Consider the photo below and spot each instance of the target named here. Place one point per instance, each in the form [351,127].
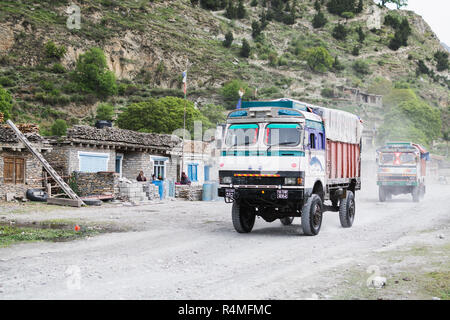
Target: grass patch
[10,235]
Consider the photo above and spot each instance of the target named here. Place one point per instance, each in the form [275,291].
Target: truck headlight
[290,181]
[226,180]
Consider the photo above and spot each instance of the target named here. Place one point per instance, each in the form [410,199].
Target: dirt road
[189,250]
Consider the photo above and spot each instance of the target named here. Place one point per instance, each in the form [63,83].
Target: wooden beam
[64,202]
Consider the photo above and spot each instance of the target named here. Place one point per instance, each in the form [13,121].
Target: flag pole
[184,123]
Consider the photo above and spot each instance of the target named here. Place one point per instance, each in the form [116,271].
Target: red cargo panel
[342,160]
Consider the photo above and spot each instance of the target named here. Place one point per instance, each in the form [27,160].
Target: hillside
[149,43]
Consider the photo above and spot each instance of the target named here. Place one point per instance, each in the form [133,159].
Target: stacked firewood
[28,127]
[2,117]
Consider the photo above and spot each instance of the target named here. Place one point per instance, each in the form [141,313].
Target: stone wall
[99,183]
[133,162]
[58,158]
[33,174]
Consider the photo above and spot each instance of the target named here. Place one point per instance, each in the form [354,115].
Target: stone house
[125,152]
[19,169]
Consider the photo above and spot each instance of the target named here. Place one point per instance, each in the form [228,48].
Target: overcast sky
[436,13]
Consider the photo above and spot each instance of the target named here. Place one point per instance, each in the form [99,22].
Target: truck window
[407,158]
[242,134]
[312,140]
[387,158]
[288,134]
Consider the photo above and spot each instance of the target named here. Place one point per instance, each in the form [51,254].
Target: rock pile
[29,130]
[189,192]
[115,135]
[152,191]
[132,191]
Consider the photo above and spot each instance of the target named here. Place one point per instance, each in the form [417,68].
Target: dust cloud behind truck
[285,158]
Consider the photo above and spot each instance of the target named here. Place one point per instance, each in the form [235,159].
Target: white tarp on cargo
[340,125]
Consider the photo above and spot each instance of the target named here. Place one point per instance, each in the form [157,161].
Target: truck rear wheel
[347,210]
[243,218]
[312,215]
[287,221]
[381,194]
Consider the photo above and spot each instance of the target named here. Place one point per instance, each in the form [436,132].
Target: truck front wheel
[381,194]
[312,215]
[243,218]
[347,210]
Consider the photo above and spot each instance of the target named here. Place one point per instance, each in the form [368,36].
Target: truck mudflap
[255,194]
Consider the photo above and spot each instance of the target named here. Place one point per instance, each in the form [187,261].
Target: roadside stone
[406,279]
[378,282]
[441,236]
[435,298]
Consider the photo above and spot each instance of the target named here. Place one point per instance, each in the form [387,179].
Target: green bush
[340,32]
[327,93]
[441,58]
[355,51]
[337,65]
[6,103]
[53,51]
[92,74]
[59,128]
[228,39]
[105,111]
[214,113]
[361,67]
[319,59]
[245,49]
[7,82]
[58,68]
[340,6]
[319,20]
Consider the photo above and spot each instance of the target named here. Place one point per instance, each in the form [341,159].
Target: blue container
[171,188]
[160,185]
[207,192]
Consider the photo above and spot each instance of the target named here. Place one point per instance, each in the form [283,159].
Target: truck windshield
[288,134]
[242,134]
[398,158]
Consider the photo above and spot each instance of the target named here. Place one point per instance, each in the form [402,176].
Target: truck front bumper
[262,193]
[397,183]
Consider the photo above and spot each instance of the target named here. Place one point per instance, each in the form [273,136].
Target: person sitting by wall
[141,176]
[185,179]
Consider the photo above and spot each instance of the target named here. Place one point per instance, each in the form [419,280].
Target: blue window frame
[192,171]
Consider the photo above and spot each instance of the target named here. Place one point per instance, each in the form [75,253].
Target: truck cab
[273,164]
[401,170]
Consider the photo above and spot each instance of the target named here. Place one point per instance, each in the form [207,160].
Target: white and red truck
[284,158]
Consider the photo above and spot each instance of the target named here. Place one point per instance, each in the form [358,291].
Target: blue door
[93,162]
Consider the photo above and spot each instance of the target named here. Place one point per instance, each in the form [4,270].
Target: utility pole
[184,123]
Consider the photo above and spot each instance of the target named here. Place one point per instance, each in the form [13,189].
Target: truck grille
[258,180]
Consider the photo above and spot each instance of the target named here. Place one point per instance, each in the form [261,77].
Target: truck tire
[287,221]
[416,194]
[347,210]
[243,218]
[381,194]
[388,195]
[312,215]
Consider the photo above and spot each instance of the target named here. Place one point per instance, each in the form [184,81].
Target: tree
[6,103]
[212,4]
[241,12]
[228,39]
[361,34]
[441,58]
[398,3]
[319,20]
[92,74]
[163,115]
[194,2]
[105,111]
[52,51]
[245,49]
[319,59]
[317,5]
[401,35]
[214,113]
[231,11]
[340,6]
[340,32]
[256,29]
[360,7]
[355,51]
[59,128]
[422,68]
[254,3]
